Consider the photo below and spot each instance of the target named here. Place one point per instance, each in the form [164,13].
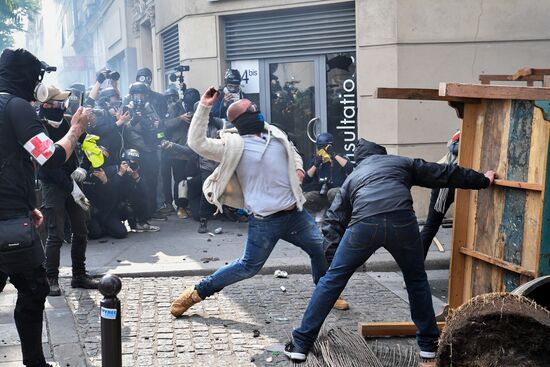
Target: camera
[324,186]
[134,165]
[113,75]
[182,68]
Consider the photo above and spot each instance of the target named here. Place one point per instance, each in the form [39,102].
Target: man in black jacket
[374,209]
[23,136]
[63,196]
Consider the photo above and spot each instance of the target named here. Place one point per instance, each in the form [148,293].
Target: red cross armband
[40,147]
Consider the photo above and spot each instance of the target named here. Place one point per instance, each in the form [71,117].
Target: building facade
[313,65]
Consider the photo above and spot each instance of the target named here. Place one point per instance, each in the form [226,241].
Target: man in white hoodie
[259,170]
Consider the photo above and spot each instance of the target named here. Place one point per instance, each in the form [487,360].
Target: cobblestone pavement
[219,330]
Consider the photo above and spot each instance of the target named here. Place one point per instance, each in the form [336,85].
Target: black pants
[176,168]
[58,206]
[434,219]
[200,207]
[32,289]
[149,173]
[134,207]
[111,225]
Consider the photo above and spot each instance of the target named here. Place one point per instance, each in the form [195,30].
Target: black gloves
[317,161]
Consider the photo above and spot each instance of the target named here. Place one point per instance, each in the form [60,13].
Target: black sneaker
[203,226]
[84,281]
[54,287]
[294,353]
[159,216]
[167,209]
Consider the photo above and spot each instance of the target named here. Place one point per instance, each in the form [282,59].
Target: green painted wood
[545,107]
[513,216]
[544,255]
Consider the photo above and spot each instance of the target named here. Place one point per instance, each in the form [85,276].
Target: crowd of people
[104,164]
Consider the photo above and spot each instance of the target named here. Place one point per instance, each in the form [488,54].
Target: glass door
[292,100]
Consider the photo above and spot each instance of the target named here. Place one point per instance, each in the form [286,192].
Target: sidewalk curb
[376,266]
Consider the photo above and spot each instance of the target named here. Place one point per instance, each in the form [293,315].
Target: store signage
[250,74]
[348,120]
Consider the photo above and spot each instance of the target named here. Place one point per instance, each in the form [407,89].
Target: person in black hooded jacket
[23,136]
[373,209]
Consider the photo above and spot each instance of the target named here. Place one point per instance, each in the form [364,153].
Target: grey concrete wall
[400,43]
[419,43]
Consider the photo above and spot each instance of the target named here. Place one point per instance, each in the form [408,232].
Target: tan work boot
[341,304]
[182,213]
[188,298]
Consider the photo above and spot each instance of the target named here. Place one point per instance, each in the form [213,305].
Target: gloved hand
[166,144]
[80,198]
[79,174]
[317,161]
[330,150]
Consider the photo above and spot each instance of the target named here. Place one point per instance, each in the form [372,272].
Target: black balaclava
[53,115]
[19,73]
[249,123]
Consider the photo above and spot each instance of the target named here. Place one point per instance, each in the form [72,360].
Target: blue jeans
[398,233]
[296,227]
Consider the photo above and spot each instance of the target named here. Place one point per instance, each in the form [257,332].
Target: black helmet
[107,93]
[190,97]
[139,88]
[324,139]
[232,76]
[171,92]
[144,75]
[131,155]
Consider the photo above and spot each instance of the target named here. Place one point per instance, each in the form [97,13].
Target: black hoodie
[382,183]
[19,72]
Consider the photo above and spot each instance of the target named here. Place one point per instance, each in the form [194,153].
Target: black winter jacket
[382,183]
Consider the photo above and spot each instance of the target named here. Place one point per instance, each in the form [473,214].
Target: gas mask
[144,79]
[234,91]
[40,92]
[114,106]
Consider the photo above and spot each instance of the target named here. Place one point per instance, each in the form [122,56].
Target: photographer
[132,207]
[201,209]
[61,196]
[231,93]
[144,134]
[176,128]
[22,137]
[325,174]
[157,100]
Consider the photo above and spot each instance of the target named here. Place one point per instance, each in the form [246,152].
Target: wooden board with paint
[501,235]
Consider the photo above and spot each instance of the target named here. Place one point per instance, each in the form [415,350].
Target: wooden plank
[395,328]
[497,262]
[490,204]
[488,78]
[471,232]
[513,220]
[493,91]
[544,253]
[439,245]
[519,185]
[534,202]
[462,204]
[524,72]
[418,94]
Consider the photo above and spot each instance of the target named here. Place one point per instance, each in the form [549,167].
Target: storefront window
[342,101]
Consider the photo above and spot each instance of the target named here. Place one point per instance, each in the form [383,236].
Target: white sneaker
[146,227]
[294,353]
[427,355]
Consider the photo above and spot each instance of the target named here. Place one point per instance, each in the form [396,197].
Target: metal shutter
[291,32]
[170,49]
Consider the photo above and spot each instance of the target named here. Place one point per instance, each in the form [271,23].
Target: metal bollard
[111,343]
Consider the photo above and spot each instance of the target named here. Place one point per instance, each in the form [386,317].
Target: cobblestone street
[219,330]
